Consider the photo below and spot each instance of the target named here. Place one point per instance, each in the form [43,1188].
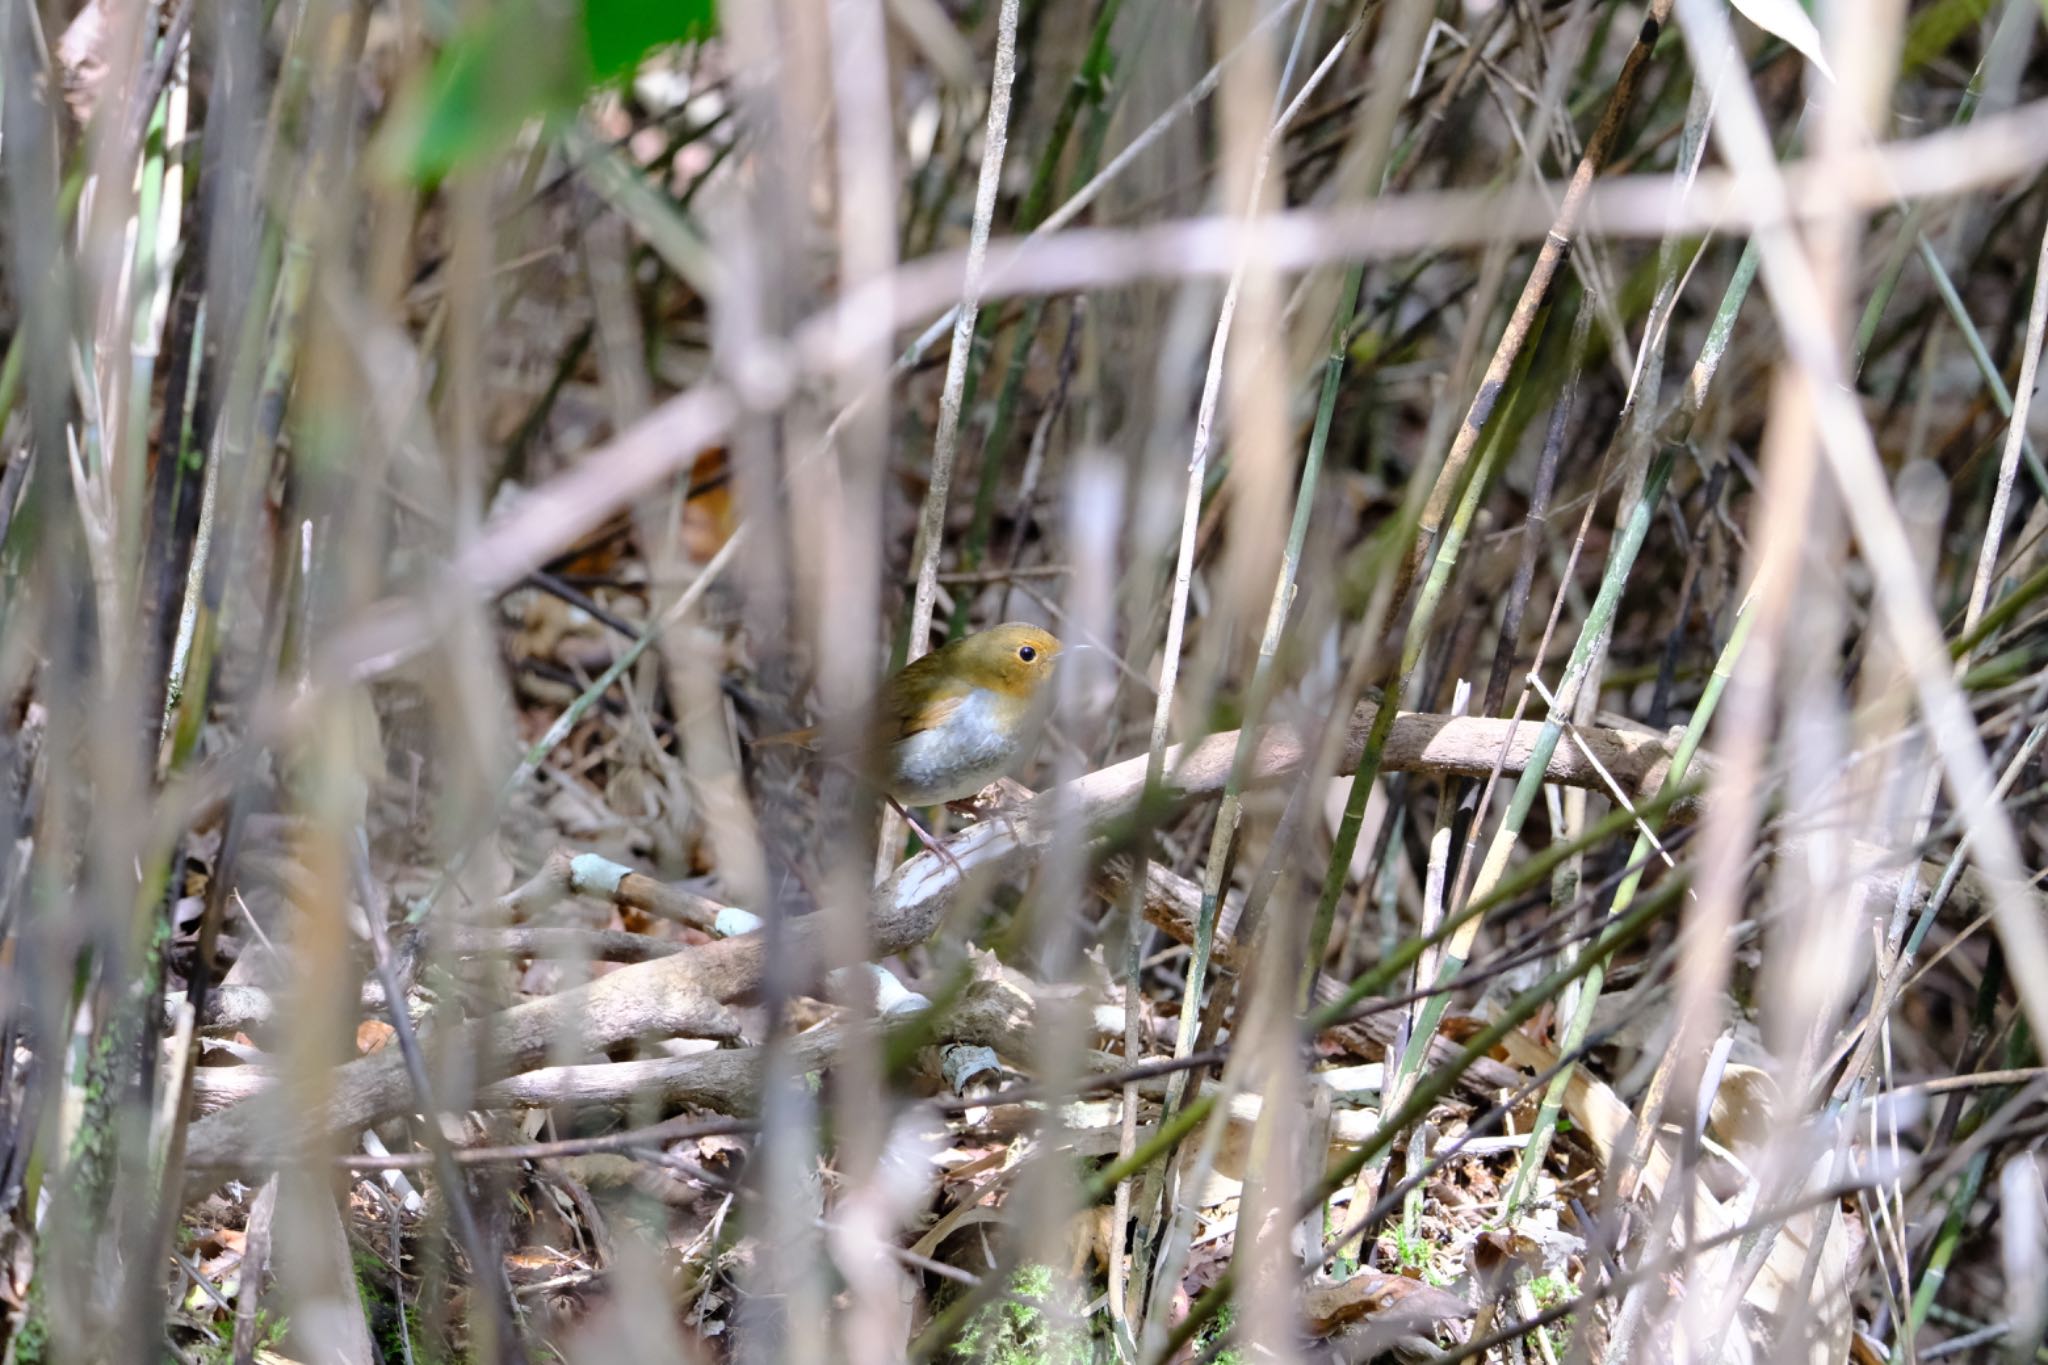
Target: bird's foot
[998,798]
[997,801]
[928,839]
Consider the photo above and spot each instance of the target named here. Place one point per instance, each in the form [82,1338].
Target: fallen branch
[686,994]
[561,942]
[564,876]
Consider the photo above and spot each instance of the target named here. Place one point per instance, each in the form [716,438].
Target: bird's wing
[909,705]
[930,715]
[920,697]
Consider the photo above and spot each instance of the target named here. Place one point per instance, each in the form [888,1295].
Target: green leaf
[517,61]
[521,60]
[618,33]
[1937,28]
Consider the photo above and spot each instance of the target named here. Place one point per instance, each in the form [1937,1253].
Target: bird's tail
[806,738]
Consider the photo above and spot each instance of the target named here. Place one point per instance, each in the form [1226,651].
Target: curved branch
[687,993]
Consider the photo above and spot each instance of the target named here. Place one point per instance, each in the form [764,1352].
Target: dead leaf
[373,1035]
[1745,1098]
[1382,1297]
[220,1251]
[1741,1112]
[710,514]
[1088,1240]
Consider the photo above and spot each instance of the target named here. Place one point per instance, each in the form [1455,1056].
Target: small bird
[961,717]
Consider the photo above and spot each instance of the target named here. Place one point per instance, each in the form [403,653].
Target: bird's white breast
[958,758]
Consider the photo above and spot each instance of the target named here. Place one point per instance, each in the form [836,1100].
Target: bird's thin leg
[928,839]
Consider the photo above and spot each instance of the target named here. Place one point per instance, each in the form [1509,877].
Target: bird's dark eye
[1027,653]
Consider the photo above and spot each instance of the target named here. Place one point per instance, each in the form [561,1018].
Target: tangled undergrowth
[1533,848]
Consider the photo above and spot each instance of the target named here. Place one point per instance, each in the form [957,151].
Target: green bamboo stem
[1962,1204]
[1283,592]
[1716,345]
[1621,932]
[2000,613]
[1423,615]
[1216,871]
[1910,237]
[1229,809]
[152,284]
[1902,247]
[1087,87]
[1980,355]
[1619,564]
[1520,879]
[1510,357]
[1887,285]
[1433,1087]
[1427,600]
[659,222]
[14,550]
[187,695]
[1581,1021]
